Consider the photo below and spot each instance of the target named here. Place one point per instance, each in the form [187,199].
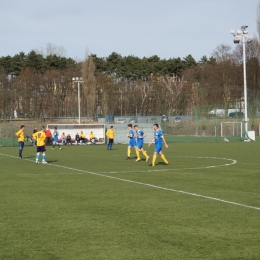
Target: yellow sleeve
[18,133]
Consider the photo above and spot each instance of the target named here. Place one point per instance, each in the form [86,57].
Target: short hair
[156,125]
[111,126]
[136,126]
[55,127]
[22,126]
[43,127]
[130,125]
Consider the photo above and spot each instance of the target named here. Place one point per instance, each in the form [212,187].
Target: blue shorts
[41,149]
[56,139]
[158,148]
[139,145]
[132,142]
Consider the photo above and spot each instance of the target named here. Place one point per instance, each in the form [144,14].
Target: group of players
[136,140]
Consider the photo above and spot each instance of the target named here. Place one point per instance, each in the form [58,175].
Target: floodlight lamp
[233,32]
[239,32]
[73,78]
[236,41]
[243,27]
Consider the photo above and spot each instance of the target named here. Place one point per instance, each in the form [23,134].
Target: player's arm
[166,145]
[151,142]
[34,136]
[18,133]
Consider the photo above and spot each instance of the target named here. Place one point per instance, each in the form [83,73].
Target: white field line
[147,185]
[180,169]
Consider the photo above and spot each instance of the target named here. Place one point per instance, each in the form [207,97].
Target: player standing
[111,135]
[132,142]
[55,138]
[20,135]
[158,139]
[140,135]
[40,137]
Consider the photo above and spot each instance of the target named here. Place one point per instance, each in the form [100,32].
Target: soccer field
[90,203]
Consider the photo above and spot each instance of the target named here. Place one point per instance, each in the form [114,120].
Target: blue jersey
[140,136]
[55,136]
[131,137]
[158,137]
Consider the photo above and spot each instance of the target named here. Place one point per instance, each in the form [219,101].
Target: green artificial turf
[90,203]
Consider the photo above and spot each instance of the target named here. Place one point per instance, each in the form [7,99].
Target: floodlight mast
[78,80]
[241,35]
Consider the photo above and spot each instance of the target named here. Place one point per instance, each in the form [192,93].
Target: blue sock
[43,157]
[37,157]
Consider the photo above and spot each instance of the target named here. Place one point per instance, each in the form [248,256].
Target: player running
[40,137]
[158,139]
[132,142]
[140,135]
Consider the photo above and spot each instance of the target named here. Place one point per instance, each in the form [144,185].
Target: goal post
[230,129]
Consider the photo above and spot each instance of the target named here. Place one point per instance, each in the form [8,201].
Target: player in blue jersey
[55,138]
[132,141]
[158,139]
[140,135]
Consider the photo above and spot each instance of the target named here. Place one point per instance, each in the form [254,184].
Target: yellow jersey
[20,135]
[110,133]
[91,136]
[82,136]
[40,137]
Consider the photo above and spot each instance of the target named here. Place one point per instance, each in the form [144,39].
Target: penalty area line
[148,185]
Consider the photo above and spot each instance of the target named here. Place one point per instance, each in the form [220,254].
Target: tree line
[39,85]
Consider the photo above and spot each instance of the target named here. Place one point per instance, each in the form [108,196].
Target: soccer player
[82,138]
[40,137]
[110,134]
[132,142]
[77,138]
[140,135]
[158,139]
[55,138]
[20,135]
[92,138]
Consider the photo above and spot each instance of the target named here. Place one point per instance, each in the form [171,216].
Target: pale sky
[167,28]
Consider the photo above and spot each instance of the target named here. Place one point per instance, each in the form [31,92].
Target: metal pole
[245,87]
[79,100]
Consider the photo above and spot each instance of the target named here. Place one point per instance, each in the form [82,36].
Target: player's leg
[145,155]
[37,155]
[163,158]
[137,154]
[128,152]
[21,145]
[44,157]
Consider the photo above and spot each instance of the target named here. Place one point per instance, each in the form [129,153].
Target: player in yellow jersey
[40,137]
[20,135]
[111,135]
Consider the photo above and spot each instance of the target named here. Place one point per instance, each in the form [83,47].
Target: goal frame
[241,127]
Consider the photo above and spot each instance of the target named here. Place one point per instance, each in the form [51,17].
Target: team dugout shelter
[99,130]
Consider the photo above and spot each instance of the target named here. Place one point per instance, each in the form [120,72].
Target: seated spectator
[77,140]
[82,137]
[92,138]
[68,139]
[63,139]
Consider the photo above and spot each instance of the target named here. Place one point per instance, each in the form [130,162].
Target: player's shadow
[48,161]
[161,163]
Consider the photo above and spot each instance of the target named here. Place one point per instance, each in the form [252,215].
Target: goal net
[229,129]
